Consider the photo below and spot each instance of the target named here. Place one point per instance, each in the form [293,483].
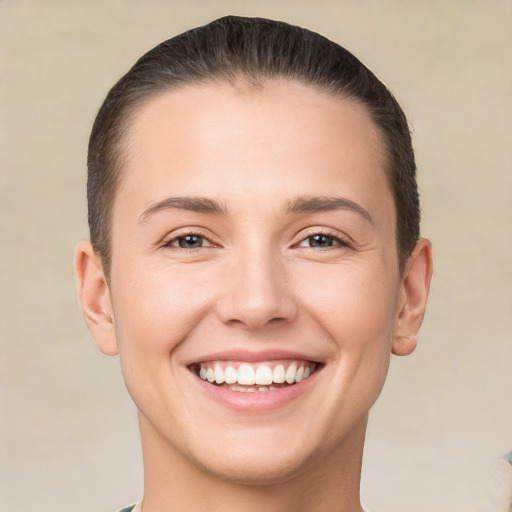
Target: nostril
[256,292]
[252,313]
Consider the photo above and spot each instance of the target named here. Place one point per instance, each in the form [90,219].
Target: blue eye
[190,241]
[321,241]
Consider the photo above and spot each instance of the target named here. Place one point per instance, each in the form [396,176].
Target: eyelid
[342,239]
[187,231]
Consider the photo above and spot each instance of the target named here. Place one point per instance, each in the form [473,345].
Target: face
[255,293]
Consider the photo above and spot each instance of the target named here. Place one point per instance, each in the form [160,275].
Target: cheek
[155,311]
[158,308]
[356,307]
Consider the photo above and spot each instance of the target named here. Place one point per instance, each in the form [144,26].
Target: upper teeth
[262,374]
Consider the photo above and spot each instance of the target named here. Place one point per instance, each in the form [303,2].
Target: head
[253,208]
[250,53]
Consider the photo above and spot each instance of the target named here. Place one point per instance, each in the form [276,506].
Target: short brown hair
[254,51]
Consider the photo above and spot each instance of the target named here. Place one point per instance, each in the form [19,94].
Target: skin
[257,283]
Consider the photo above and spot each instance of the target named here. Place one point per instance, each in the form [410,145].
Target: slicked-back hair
[254,52]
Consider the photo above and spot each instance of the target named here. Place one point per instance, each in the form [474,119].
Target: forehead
[243,141]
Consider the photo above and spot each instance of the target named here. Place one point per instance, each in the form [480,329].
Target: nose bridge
[257,293]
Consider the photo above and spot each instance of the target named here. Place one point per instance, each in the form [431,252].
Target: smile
[260,377]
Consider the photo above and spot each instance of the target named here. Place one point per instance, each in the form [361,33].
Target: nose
[257,293]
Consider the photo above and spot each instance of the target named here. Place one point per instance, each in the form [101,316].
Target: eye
[322,241]
[189,241]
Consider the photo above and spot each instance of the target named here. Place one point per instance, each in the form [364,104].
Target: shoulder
[133,508]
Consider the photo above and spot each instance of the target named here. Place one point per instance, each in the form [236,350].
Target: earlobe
[404,345]
[94,297]
[415,288]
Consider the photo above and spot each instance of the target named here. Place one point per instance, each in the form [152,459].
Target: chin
[246,470]
[261,457]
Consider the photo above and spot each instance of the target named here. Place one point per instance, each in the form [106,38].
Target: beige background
[68,431]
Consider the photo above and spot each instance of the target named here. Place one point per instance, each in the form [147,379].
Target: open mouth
[254,377]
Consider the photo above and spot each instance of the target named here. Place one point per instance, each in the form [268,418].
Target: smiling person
[254,261]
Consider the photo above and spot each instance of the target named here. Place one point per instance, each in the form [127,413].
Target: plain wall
[69,437]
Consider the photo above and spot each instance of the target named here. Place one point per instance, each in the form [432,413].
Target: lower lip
[257,401]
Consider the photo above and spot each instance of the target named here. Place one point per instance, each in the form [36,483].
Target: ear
[415,286]
[94,297]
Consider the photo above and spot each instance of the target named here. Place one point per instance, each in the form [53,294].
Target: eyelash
[338,240]
[181,236]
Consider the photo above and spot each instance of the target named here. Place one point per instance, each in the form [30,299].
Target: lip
[248,356]
[257,402]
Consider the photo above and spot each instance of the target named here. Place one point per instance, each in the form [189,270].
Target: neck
[328,482]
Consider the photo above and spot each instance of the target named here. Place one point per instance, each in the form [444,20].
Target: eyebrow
[297,206]
[319,204]
[193,204]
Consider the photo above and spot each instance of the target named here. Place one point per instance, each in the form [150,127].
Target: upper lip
[253,356]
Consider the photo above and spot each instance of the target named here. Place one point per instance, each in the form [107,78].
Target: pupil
[320,241]
[190,241]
